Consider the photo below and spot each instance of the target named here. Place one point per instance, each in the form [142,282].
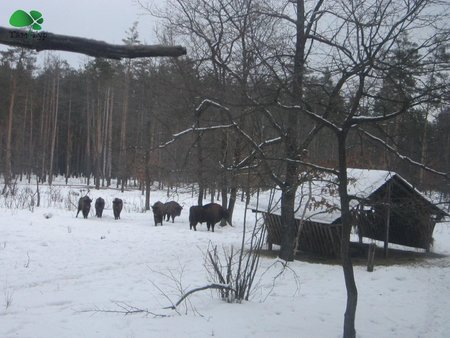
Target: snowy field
[62,276]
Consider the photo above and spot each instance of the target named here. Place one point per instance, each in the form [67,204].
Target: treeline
[115,119]
[99,121]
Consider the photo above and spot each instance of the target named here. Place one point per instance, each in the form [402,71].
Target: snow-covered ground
[60,275]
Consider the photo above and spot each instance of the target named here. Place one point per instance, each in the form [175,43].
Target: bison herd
[84,205]
[211,213]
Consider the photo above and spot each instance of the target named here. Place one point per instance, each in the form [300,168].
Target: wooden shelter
[385,207]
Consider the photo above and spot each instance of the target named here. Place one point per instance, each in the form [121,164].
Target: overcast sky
[106,20]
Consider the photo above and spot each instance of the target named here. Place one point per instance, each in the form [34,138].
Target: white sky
[106,20]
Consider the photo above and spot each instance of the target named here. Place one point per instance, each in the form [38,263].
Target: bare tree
[351,41]
[357,46]
[243,49]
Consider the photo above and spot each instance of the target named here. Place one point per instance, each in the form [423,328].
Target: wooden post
[388,221]
[371,256]
[359,218]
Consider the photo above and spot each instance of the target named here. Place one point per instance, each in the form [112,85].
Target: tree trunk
[200,194]
[231,203]
[123,129]
[289,189]
[224,193]
[109,140]
[147,194]
[352,292]
[38,193]
[44,130]
[8,157]
[69,139]
[30,144]
[24,154]
[54,109]
[288,223]
[100,118]
[212,193]
[424,150]
[201,184]
[87,157]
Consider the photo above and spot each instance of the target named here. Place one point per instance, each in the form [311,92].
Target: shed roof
[318,199]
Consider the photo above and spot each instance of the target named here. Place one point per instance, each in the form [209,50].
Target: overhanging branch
[192,130]
[317,118]
[49,41]
[203,106]
[403,157]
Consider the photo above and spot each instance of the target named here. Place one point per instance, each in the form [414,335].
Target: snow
[59,275]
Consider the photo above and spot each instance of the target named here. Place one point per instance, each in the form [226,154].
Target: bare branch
[244,162]
[314,116]
[211,286]
[127,309]
[314,166]
[403,157]
[191,130]
[49,41]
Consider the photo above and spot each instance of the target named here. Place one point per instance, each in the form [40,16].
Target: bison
[210,213]
[158,212]
[172,209]
[84,205]
[196,215]
[99,206]
[117,207]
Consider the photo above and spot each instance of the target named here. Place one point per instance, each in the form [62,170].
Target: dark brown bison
[172,209]
[210,213]
[99,206]
[117,207]
[84,205]
[196,215]
[158,212]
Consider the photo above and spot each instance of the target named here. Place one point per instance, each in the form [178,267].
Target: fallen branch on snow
[211,286]
[127,309]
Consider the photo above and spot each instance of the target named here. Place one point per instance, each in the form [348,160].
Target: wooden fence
[318,238]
